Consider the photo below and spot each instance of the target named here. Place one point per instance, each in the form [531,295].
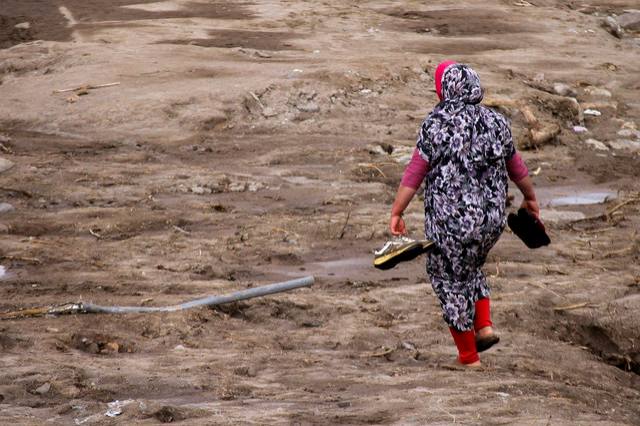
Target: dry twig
[575,306]
[86,87]
[344,227]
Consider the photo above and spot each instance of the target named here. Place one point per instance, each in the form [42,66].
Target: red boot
[482,322]
[466,344]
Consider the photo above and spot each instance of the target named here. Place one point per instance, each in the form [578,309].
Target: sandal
[484,343]
[400,249]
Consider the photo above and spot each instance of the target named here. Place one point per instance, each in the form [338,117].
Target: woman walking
[465,152]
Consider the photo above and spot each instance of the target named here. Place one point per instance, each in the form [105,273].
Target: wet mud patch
[46,21]
[130,10]
[456,22]
[435,45]
[260,40]
[43,18]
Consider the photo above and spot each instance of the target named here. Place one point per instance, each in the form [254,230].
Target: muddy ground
[254,142]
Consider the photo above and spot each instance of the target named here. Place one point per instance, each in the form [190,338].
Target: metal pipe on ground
[90,308]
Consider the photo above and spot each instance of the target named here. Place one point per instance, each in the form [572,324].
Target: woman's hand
[403,197]
[397,226]
[531,206]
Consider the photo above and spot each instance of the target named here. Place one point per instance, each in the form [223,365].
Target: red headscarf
[442,67]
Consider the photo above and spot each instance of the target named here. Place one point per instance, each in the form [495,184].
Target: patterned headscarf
[459,126]
[440,69]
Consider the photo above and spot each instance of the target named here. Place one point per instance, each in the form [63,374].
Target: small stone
[52,330]
[93,348]
[630,21]
[593,112]
[179,348]
[625,144]
[629,125]
[6,208]
[625,133]
[580,129]
[597,92]
[308,107]
[112,346]
[41,390]
[613,27]
[196,189]
[5,164]
[344,404]
[269,112]
[23,26]
[597,144]
[564,90]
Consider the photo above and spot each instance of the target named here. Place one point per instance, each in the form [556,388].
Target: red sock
[483,315]
[466,344]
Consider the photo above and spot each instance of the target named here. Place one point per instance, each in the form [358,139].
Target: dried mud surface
[254,142]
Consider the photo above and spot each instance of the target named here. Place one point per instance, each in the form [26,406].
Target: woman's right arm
[525,185]
[411,180]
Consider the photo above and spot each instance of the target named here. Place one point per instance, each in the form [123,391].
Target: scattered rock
[580,129]
[625,133]
[23,26]
[5,164]
[269,112]
[200,190]
[310,107]
[629,21]
[41,390]
[593,112]
[96,343]
[597,144]
[168,414]
[600,106]
[6,208]
[625,144]
[245,371]
[179,348]
[597,92]
[612,25]
[539,78]
[564,90]
[115,408]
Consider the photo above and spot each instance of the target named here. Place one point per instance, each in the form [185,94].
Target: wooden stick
[257,99]
[344,227]
[177,228]
[87,87]
[575,306]
[622,204]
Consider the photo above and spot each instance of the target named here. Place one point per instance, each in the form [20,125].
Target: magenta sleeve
[415,172]
[516,168]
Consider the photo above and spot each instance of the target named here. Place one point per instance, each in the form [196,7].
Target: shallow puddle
[583,198]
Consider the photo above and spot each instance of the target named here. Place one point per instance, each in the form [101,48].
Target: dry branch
[87,87]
